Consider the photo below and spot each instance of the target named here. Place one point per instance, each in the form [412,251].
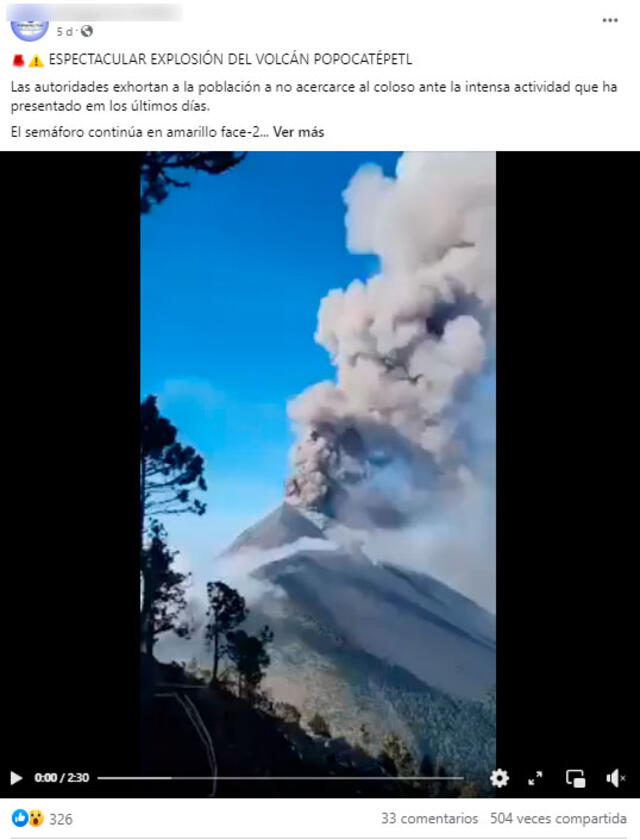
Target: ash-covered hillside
[373,644]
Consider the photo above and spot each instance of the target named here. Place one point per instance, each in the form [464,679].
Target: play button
[15,778]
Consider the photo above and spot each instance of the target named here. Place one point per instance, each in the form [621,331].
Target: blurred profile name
[84,12]
[268,59]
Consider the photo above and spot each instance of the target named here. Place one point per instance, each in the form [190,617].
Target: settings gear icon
[499,778]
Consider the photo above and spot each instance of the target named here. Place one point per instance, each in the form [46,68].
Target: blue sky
[233,271]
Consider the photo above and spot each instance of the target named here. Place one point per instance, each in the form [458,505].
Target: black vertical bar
[74,305]
[565,575]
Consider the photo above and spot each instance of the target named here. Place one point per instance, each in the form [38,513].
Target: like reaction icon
[19,817]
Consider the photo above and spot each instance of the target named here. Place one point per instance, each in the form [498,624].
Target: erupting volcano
[377,571]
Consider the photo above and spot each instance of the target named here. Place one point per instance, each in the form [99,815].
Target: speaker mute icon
[614,778]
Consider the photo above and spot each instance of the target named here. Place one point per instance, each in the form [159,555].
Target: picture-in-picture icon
[576,778]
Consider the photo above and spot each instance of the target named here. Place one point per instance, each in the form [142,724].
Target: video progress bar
[280,778]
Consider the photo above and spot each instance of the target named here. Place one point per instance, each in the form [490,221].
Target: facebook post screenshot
[319,356]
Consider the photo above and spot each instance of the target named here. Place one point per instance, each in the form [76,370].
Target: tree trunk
[216,655]
[147,639]
[143,493]
[145,609]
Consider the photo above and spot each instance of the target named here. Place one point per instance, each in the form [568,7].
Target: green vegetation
[249,656]
[227,608]
[396,757]
[158,171]
[169,475]
[164,599]
[319,726]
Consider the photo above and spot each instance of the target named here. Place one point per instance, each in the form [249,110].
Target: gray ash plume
[406,343]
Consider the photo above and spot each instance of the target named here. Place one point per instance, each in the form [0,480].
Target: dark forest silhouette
[159,171]
[253,734]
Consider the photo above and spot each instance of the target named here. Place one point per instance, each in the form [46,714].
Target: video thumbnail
[318,472]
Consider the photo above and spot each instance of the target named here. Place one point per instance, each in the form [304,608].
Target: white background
[484,40]
[478,40]
[306,819]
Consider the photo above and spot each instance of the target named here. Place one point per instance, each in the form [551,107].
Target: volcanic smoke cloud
[407,343]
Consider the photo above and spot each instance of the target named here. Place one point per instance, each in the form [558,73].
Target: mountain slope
[373,644]
[400,617]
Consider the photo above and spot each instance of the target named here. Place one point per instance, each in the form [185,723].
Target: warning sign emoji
[36,61]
